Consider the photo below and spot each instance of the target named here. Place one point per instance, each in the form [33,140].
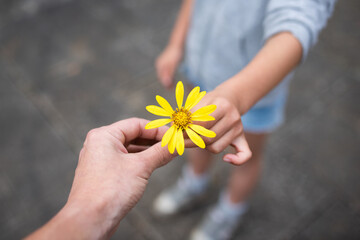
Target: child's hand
[227,126]
[167,63]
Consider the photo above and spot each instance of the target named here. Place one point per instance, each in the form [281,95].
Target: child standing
[243,52]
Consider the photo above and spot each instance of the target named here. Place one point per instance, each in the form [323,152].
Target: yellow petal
[192,97]
[172,143]
[203,118]
[180,145]
[203,131]
[167,136]
[158,111]
[157,123]
[179,93]
[197,100]
[195,138]
[204,110]
[164,104]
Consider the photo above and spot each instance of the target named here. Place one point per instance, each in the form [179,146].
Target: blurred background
[69,66]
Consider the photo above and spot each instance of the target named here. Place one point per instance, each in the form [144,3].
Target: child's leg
[190,185]
[221,221]
[244,177]
[199,160]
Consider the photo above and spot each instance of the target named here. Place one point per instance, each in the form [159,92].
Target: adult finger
[129,129]
[243,152]
[143,142]
[136,148]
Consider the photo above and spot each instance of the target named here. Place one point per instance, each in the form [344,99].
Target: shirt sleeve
[303,18]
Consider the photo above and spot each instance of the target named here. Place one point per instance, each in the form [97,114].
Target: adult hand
[167,63]
[227,126]
[114,166]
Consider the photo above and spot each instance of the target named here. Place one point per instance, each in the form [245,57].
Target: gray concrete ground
[69,66]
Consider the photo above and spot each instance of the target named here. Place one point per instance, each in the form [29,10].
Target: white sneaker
[216,225]
[181,195]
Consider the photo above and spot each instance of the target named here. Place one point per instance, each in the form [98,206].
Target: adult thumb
[156,156]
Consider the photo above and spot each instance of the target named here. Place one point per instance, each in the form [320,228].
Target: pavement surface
[69,66]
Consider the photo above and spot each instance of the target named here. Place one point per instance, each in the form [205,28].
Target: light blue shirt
[225,35]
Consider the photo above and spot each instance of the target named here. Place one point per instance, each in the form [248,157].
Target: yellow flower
[182,119]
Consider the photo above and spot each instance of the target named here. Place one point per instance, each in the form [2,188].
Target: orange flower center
[181,118]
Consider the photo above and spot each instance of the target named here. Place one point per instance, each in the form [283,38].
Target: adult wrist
[83,221]
[88,219]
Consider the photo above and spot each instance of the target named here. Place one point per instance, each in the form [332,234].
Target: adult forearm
[279,56]
[178,35]
[78,222]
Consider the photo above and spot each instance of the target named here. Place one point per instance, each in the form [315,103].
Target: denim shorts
[266,118]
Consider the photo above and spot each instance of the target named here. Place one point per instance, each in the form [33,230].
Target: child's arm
[275,60]
[291,28]
[168,61]
[237,95]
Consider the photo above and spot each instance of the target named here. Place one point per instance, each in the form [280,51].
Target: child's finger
[159,73]
[221,130]
[226,139]
[222,126]
[162,72]
[189,144]
[243,152]
[158,67]
[218,114]
[167,76]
